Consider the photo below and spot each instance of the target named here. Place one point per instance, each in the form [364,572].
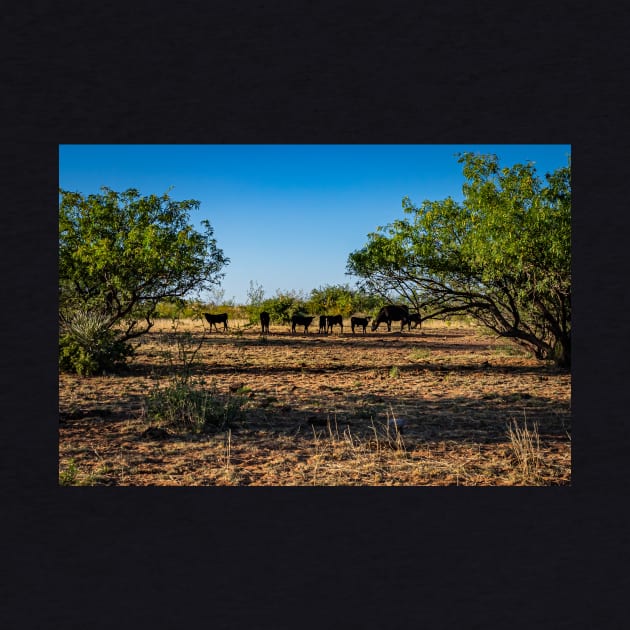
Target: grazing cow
[221,318]
[415,319]
[322,324]
[264,322]
[302,321]
[392,313]
[334,320]
[359,321]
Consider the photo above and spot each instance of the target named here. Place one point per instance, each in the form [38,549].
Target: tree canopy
[502,255]
[121,253]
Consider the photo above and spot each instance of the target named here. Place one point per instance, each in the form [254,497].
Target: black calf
[334,320]
[301,320]
[415,319]
[213,320]
[359,321]
[322,324]
[264,322]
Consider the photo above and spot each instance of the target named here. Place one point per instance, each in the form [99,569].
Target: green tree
[343,300]
[283,306]
[502,255]
[332,300]
[120,254]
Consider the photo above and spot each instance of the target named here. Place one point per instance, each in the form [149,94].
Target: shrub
[88,347]
[188,405]
[68,476]
[341,299]
[280,308]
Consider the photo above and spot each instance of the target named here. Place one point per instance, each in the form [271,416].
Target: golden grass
[318,411]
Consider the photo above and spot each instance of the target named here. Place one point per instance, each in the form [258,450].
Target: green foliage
[502,255]
[68,476]
[120,255]
[107,356]
[179,309]
[281,307]
[326,300]
[188,405]
[87,347]
[342,300]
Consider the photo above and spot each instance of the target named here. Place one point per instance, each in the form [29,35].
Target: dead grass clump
[525,446]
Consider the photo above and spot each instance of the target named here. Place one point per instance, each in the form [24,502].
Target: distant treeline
[326,300]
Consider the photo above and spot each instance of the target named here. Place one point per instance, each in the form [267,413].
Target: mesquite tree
[120,254]
[502,255]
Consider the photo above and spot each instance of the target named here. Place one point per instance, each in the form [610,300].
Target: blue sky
[287,216]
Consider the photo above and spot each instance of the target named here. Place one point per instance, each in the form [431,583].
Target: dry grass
[320,410]
[525,444]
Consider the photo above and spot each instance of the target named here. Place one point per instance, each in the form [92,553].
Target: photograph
[314,315]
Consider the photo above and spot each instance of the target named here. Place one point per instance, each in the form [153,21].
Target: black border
[275,72]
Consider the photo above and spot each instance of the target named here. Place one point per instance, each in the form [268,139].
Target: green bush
[187,405]
[88,345]
[68,476]
[342,300]
[280,308]
[105,354]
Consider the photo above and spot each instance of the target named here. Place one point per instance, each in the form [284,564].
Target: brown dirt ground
[316,409]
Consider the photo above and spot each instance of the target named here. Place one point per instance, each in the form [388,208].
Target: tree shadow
[147,369]
[459,419]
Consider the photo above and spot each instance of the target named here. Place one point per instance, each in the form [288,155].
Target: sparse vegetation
[186,404]
[218,409]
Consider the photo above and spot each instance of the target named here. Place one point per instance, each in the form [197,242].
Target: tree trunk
[562,352]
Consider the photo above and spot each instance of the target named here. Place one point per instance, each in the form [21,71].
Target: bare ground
[315,411]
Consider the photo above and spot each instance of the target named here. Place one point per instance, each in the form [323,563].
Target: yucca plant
[87,344]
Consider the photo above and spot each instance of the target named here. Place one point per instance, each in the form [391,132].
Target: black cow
[221,318]
[359,321]
[322,324]
[264,322]
[301,320]
[415,319]
[392,313]
[334,320]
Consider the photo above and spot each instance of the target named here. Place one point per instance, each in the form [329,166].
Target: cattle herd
[387,315]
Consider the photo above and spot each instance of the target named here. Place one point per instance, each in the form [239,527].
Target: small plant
[87,345]
[420,354]
[68,476]
[187,349]
[525,445]
[393,431]
[188,405]
[394,372]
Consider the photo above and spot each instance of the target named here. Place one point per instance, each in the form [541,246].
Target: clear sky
[287,216]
